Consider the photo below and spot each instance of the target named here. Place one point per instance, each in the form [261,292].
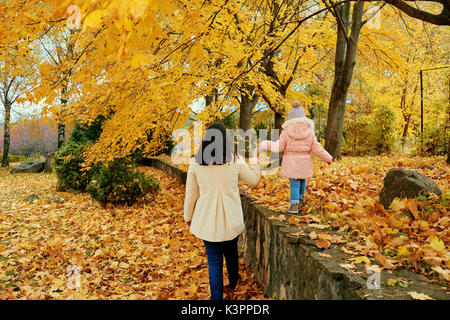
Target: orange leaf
[411,204]
[384,262]
[323,243]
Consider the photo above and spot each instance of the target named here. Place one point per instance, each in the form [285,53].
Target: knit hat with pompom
[296,111]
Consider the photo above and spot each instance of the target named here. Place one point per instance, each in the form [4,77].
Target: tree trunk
[246,105]
[61,134]
[335,122]
[405,128]
[279,120]
[6,135]
[448,151]
[61,125]
[343,73]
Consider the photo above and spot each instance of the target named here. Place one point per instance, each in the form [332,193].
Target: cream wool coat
[212,202]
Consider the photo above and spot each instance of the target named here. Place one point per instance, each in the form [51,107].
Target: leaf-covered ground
[342,203]
[139,252]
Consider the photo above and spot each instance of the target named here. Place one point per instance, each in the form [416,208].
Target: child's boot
[293,208]
[301,206]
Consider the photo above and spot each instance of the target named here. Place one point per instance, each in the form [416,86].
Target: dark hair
[216,147]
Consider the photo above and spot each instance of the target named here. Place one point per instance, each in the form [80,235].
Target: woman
[212,206]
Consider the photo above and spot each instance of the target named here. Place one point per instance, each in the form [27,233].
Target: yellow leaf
[361,259]
[348,251]
[438,245]
[403,251]
[398,204]
[139,60]
[93,19]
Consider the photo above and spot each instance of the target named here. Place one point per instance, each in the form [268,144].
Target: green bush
[435,141]
[383,136]
[371,135]
[120,181]
[355,138]
[83,133]
[16,158]
[67,166]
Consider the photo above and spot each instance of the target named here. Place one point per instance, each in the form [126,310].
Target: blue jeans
[298,188]
[215,252]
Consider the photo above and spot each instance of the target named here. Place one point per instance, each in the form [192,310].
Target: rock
[31,198]
[29,167]
[402,183]
[48,163]
[56,200]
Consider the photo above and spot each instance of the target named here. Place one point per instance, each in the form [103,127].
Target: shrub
[373,134]
[435,141]
[84,133]
[383,136]
[16,158]
[120,181]
[67,166]
[355,138]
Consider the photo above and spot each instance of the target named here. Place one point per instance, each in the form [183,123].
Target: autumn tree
[17,77]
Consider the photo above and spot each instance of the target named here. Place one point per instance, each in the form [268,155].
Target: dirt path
[66,246]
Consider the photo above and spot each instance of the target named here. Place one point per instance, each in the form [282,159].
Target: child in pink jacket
[298,142]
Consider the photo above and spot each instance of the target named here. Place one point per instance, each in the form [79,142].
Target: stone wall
[291,266]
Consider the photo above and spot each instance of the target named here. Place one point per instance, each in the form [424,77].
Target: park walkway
[67,246]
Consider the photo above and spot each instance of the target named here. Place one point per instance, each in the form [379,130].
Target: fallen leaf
[419,296]
[318,225]
[383,260]
[323,243]
[438,245]
[412,204]
[398,204]
[444,273]
[361,259]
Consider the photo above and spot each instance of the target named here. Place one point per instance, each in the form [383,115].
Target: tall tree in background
[344,63]
[57,69]
[17,77]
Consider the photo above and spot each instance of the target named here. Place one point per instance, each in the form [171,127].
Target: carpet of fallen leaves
[343,198]
[140,252]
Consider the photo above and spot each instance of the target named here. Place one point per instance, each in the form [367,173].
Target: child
[298,142]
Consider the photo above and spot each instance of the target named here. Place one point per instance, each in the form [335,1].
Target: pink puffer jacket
[298,142]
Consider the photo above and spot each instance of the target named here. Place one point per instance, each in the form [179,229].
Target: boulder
[31,198]
[56,200]
[402,183]
[29,167]
[48,163]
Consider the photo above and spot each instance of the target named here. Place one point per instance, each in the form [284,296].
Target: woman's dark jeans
[215,252]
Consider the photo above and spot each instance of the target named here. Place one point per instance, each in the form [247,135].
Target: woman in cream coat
[212,206]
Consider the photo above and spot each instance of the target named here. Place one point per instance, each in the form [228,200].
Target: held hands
[188,224]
